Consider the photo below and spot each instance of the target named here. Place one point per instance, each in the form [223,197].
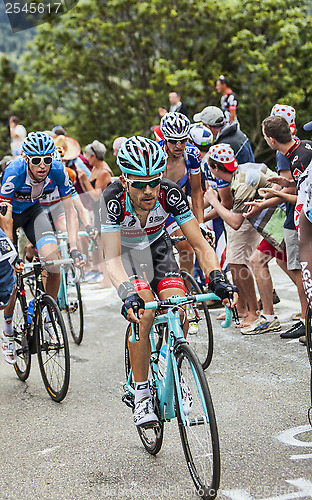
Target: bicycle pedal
[128,400]
[150,425]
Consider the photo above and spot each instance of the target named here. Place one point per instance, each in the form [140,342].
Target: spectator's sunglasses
[36,160]
[175,141]
[142,184]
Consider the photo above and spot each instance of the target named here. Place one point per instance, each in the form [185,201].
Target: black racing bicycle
[44,335]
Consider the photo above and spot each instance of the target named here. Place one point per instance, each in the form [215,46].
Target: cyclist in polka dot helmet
[222,156]
[287,112]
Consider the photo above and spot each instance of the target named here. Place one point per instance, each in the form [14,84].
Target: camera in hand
[3,209]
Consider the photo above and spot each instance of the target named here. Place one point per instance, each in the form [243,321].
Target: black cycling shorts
[155,265]
[36,226]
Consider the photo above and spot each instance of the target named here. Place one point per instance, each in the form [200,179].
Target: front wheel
[52,348]
[151,438]
[200,334]
[197,423]
[23,356]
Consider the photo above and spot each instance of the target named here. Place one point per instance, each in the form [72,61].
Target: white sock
[269,317]
[8,326]
[141,390]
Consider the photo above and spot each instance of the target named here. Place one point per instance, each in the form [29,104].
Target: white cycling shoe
[144,412]
[8,349]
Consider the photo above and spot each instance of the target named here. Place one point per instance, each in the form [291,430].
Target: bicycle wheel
[23,361]
[151,438]
[74,307]
[199,434]
[53,350]
[200,336]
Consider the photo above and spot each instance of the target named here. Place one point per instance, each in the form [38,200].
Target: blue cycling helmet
[175,126]
[38,143]
[141,156]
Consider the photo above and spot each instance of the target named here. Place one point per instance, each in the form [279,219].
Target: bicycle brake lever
[135,326]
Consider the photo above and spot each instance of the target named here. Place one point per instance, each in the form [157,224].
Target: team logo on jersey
[296,173]
[132,222]
[174,196]
[113,207]
[8,186]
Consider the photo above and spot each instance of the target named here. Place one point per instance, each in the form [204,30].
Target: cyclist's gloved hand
[18,265]
[79,258]
[207,234]
[220,287]
[92,231]
[133,302]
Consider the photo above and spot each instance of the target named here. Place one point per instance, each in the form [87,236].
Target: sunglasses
[36,160]
[175,141]
[142,184]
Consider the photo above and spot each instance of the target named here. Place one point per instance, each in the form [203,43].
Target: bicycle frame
[165,387]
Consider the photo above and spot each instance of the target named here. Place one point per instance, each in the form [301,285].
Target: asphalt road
[87,446]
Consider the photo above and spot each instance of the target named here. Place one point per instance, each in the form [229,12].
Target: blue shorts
[7,282]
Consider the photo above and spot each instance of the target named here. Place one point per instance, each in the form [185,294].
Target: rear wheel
[23,361]
[200,335]
[74,307]
[151,438]
[52,349]
[197,424]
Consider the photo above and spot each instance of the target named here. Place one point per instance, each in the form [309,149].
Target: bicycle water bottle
[162,362]
[30,310]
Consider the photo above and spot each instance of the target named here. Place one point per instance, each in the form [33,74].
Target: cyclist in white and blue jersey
[24,182]
[138,251]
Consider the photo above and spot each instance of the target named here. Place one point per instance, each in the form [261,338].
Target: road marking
[48,450]
[288,436]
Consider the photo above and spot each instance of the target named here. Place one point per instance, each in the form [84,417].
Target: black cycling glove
[131,302]
[75,254]
[92,229]
[219,286]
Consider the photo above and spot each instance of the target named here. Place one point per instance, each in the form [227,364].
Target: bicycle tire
[23,356]
[151,438]
[199,435]
[53,356]
[74,308]
[202,341]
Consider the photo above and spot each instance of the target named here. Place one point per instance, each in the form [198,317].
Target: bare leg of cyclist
[49,252]
[140,351]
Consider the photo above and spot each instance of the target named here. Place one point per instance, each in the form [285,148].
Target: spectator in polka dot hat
[287,112]
[245,252]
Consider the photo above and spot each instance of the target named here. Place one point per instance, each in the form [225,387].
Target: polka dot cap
[225,155]
[287,112]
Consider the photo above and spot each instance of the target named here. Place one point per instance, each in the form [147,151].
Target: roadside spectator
[246,238]
[117,144]
[229,102]
[58,130]
[99,179]
[176,105]
[18,134]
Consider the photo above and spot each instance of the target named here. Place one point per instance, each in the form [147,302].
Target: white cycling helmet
[175,126]
[287,112]
[201,136]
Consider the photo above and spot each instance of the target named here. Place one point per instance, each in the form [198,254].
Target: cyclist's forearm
[72,226]
[116,271]
[198,206]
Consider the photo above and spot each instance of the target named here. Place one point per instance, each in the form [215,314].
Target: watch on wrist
[124,289]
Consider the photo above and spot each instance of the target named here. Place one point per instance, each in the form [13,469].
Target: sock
[8,325]
[141,390]
[47,318]
[269,317]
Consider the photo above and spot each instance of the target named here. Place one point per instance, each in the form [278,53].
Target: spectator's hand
[268,193]
[211,195]
[281,181]
[255,208]
[162,112]
[81,174]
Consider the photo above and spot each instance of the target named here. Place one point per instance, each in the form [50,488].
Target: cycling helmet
[200,135]
[287,112]
[141,156]
[38,143]
[224,154]
[175,126]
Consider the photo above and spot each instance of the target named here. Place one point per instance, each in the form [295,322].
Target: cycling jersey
[117,214]
[192,165]
[306,201]
[17,186]
[229,103]
[7,280]
[299,155]
[213,182]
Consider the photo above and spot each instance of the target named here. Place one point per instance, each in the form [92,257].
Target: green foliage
[103,69]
